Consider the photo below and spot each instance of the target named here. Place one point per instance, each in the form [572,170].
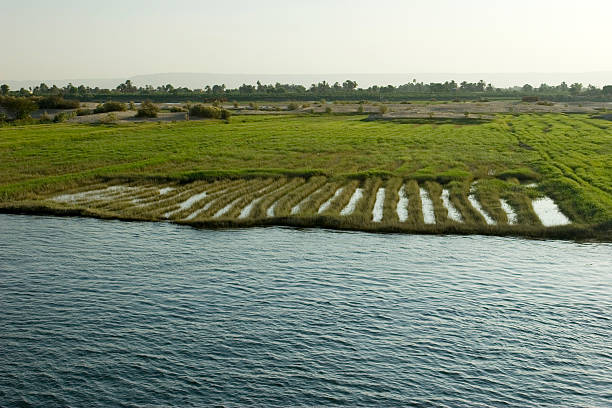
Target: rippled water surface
[105,313]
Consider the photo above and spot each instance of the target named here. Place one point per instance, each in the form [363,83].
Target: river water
[108,313]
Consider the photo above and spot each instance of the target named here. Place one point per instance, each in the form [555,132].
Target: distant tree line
[348,90]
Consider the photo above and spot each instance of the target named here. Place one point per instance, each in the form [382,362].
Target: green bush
[360,108]
[147,109]
[83,112]
[63,116]
[109,118]
[18,107]
[292,106]
[45,118]
[57,102]
[175,109]
[225,114]
[212,112]
[328,109]
[383,109]
[110,106]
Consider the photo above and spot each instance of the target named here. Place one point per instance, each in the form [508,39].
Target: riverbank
[526,175]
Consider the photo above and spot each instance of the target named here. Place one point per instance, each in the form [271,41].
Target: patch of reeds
[214,190]
[252,195]
[290,200]
[260,210]
[392,187]
[435,195]
[340,201]
[315,200]
[415,207]
[458,193]
[488,194]
[235,197]
[363,209]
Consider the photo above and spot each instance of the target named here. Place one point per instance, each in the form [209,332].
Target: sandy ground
[441,110]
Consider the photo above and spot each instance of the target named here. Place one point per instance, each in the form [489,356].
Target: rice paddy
[530,175]
[256,199]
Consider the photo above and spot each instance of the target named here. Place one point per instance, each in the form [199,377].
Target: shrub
[83,112]
[109,118]
[235,105]
[18,107]
[530,98]
[383,109]
[131,106]
[177,109]
[57,102]
[360,108]
[225,114]
[253,106]
[292,106]
[328,109]
[212,112]
[147,109]
[306,105]
[110,106]
[63,116]
[45,118]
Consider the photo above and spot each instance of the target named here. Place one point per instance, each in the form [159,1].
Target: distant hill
[200,80]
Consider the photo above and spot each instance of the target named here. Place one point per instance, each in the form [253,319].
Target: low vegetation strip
[567,156]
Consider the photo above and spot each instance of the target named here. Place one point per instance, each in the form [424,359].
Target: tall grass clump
[212,112]
[110,106]
[147,109]
[57,102]
[392,187]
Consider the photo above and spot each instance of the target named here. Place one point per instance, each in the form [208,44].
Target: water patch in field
[326,204]
[246,211]
[472,199]
[95,195]
[548,212]
[510,213]
[453,213]
[225,209]
[270,210]
[377,211]
[429,216]
[187,203]
[402,205]
[165,190]
[201,210]
[350,207]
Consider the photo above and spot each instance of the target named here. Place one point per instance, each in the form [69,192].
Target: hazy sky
[121,38]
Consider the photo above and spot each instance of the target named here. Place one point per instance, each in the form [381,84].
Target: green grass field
[569,156]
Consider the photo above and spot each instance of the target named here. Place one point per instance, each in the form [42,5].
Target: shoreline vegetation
[302,170]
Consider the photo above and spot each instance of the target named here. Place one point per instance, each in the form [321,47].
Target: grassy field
[569,156]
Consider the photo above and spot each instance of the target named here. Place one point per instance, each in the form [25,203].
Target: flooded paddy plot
[351,201]
[327,203]
[427,206]
[350,207]
[510,213]
[377,211]
[453,213]
[478,207]
[548,212]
